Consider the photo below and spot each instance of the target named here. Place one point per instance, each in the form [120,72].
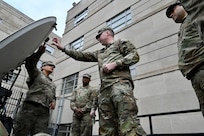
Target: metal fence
[12,104]
[65,129]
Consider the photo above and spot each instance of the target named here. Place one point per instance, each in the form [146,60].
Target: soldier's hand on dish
[108,68]
[56,42]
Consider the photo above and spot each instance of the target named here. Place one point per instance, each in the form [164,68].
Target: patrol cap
[87,76]
[48,63]
[102,30]
[171,7]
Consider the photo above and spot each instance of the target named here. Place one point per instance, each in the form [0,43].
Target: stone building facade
[159,86]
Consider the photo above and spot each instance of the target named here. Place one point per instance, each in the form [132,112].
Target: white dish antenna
[19,45]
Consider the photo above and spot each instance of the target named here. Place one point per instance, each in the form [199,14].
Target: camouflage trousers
[31,119]
[82,126]
[198,84]
[118,111]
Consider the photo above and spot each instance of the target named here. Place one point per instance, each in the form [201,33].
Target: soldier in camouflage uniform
[190,46]
[34,114]
[195,10]
[116,103]
[81,104]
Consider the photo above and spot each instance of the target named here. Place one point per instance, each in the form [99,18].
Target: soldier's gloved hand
[56,42]
[41,49]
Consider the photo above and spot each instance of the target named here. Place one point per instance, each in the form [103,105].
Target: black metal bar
[162,114]
[169,113]
[150,125]
[19,70]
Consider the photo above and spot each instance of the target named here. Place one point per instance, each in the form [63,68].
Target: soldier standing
[117,105]
[190,46]
[195,10]
[81,104]
[33,116]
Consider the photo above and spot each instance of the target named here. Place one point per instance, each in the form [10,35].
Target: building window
[81,16]
[121,20]
[77,44]
[49,49]
[64,130]
[69,84]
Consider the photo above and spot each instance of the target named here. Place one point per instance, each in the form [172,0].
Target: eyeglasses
[50,65]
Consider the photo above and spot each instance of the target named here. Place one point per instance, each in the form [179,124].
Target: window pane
[64,130]
[49,49]
[119,17]
[81,16]
[77,44]
[120,21]
[69,83]
[10,78]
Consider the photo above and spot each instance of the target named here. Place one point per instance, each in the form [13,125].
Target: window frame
[69,83]
[49,49]
[80,17]
[121,20]
[77,44]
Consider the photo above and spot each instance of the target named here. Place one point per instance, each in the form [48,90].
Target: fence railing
[150,116]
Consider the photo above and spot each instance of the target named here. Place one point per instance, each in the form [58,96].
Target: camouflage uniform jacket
[190,47]
[122,52]
[83,97]
[195,8]
[41,88]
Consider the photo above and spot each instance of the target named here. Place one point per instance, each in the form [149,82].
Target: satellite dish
[19,45]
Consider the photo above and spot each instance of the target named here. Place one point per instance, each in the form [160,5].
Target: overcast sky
[38,9]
